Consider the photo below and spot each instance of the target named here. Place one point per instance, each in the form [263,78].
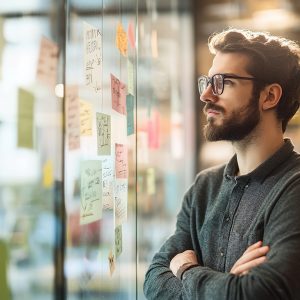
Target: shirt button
[227,219]
[222,254]
[246,186]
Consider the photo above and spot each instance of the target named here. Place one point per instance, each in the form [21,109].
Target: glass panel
[165,122]
[100,75]
[31,62]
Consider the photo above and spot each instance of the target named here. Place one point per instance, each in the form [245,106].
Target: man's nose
[208,95]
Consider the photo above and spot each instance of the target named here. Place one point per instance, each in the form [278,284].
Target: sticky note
[131,36]
[118,240]
[118,95]
[85,118]
[130,114]
[120,201]
[25,119]
[47,62]
[107,183]
[121,161]
[92,40]
[91,191]
[103,123]
[151,181]
[48,174]
[111,262]
[121,39]
[73,117]
[130,77]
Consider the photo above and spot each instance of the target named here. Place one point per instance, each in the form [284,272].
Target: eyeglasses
[217,82]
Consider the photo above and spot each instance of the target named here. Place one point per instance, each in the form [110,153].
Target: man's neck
[255,149]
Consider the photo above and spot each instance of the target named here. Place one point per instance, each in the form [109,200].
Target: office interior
[101,134]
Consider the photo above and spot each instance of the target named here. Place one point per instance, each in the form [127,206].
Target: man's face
[234,114]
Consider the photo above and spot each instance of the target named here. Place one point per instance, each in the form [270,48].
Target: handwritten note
[120,201]
[130,77]
[47,63]
[131,37]
[111,262]
[118,95]
[25,119]
[107,183]
[130,114]
[73,117]
[121,39]
[103,122]
[48,174]
[92,40]
[118,240]
[85,118]
[121,161]
[91,191]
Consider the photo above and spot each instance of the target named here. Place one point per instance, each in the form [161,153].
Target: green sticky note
[118,240]
[103,134]
[130,114]
[91,191]
[25,119]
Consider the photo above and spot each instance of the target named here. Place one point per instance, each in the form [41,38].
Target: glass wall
[31,152]
[96,131]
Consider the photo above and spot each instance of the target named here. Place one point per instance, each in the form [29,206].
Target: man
[238,232]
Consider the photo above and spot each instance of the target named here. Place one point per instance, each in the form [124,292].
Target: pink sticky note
[118,95]
[130,33]
[121,161]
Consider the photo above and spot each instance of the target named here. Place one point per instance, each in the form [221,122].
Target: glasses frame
[210,80]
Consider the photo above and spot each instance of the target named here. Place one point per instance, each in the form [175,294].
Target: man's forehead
[229,63]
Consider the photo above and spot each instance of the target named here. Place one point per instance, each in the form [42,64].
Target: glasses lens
[218,84]
[202,84]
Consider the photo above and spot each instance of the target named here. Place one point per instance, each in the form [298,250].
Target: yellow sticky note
[121,39]
[85,118]
[25,119]
[48,174]
[151,181]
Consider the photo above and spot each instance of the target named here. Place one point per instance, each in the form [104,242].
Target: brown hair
[273,60]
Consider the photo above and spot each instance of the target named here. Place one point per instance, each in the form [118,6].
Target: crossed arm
[252,257]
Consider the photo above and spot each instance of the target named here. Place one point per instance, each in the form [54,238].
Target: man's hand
[188,256]
[252,257]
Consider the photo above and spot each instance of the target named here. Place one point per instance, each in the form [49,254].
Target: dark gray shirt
[221,215]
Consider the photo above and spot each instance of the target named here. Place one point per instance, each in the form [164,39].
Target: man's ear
[271,96]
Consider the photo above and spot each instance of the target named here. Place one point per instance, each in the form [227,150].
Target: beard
[235,128]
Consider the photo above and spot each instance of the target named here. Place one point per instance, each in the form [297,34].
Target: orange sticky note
[121,39]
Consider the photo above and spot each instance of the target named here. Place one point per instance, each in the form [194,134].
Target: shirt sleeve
[277,278]
[160,282]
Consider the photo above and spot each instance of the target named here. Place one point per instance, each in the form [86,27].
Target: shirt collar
[266,167]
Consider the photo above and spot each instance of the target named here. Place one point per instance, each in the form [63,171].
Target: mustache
[213,106]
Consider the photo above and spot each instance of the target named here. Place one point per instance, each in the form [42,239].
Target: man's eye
[228,82]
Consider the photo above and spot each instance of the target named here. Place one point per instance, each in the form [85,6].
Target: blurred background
[50,103]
